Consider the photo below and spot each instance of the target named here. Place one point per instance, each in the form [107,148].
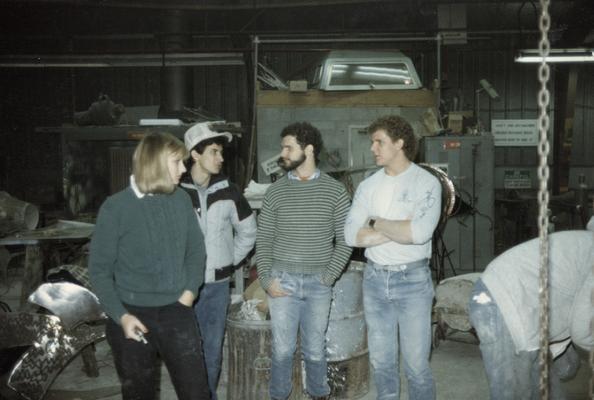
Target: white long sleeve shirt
[513,280]
[414,195]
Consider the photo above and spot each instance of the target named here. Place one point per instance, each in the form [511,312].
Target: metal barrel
[16,215]
[249,359]
[346,338]
[249,348]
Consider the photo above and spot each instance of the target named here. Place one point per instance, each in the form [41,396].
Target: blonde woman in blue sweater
[146,265]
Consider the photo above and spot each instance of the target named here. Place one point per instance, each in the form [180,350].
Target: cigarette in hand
[141,337]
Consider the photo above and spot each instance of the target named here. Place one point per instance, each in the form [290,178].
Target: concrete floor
[457,368]
[456,364]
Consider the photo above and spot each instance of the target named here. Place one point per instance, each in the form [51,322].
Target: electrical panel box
[469,233]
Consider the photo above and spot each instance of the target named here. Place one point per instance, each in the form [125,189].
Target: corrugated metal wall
[223,91]
[582,144]
[46,97]
[30,163]
[517,86]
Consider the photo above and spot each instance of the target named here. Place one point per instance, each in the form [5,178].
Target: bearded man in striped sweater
[300,252]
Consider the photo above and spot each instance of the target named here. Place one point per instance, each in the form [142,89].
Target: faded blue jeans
[305,309]
[211,313]
[398,315]
[512,375]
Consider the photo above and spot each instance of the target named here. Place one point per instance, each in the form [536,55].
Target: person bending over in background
[504,310]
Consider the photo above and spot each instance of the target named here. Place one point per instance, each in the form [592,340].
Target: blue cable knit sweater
[145,251]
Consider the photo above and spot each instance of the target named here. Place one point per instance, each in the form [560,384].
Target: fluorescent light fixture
[556,56]
[160,122]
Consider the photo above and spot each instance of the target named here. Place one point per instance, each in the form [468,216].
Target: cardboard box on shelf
[457,120]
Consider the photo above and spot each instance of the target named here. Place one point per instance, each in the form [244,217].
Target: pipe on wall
[176,82]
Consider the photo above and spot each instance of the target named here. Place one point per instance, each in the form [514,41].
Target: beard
[290,165]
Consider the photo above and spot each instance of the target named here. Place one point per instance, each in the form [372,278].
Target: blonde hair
[149,162]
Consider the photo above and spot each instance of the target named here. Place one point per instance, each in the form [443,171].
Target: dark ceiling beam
[202,6]
[248,4]
[121,60]
[60,29]
[479,2]
[302,34]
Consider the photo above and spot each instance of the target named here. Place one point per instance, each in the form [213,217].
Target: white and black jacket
[229,225]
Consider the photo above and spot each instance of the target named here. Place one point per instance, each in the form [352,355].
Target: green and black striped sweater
[301,229]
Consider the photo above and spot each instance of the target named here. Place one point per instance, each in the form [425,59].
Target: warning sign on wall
[514,132]
[517,179]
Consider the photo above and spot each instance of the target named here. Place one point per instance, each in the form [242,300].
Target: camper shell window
[368,71]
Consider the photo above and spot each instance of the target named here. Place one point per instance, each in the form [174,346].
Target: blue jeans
[211,313]
[305,309]
[511,374]
[398,315]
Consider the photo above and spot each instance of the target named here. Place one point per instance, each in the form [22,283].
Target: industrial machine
[350,89]
[467,239]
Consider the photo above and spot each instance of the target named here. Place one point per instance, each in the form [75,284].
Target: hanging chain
[592,333]
[543,197]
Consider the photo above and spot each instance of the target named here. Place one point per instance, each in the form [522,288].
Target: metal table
[69,232]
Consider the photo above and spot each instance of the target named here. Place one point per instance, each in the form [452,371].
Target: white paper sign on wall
[271,166]
[515,132]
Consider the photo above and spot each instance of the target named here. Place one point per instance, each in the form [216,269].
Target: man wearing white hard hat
[229,228]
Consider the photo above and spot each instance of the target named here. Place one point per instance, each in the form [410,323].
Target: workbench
[72,234]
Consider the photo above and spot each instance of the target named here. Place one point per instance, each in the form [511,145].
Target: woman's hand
[132,326]
[187,298]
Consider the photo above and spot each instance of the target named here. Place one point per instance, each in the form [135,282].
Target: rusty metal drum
[249,359]
[249,348]
[346,338]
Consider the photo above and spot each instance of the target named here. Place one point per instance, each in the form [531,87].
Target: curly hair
[397,128]
[305,134]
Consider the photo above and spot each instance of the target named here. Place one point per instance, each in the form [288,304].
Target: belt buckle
[223,273]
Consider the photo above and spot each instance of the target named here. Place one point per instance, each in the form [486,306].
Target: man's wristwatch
[372,223]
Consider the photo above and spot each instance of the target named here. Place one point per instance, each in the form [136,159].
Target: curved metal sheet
[72,303]
[51,350]
[53,340]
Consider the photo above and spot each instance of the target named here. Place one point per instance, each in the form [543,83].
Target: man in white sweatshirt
[394,214]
